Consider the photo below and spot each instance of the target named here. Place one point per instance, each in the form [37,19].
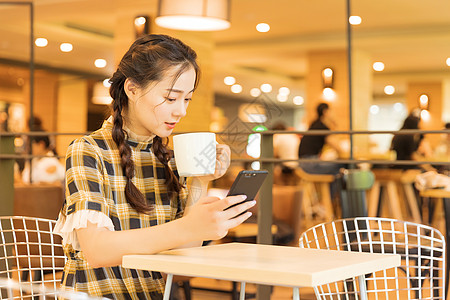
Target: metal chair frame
[31,254]
[422,248]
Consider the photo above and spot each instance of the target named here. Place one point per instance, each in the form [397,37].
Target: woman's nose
[180,109]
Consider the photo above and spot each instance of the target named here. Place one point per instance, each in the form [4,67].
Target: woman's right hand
[208,220]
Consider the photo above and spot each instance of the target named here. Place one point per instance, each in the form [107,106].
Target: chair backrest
[420,276]
[30,252]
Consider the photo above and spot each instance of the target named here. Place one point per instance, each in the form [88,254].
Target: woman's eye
[171,99]
[187,99]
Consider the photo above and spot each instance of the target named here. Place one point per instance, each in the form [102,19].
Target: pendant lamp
[194,15]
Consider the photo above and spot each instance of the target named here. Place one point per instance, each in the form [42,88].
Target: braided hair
[147,60]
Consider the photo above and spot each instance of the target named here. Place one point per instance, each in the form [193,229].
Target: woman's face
[157,109]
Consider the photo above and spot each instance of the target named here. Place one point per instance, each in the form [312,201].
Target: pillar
[337,60]
[72,110]
[434,90]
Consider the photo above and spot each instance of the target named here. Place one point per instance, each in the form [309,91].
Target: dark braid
[145,62]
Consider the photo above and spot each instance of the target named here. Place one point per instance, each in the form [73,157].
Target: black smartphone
[247,183]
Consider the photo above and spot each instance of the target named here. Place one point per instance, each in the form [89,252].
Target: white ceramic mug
[195,153]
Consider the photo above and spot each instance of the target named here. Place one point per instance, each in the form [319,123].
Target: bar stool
[396,185]
[312,185]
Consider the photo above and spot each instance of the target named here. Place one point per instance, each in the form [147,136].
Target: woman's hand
[223,157]
[208,219]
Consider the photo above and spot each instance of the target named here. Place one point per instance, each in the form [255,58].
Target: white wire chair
[31,254]
[421,274]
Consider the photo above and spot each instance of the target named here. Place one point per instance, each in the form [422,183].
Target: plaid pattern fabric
[94,181]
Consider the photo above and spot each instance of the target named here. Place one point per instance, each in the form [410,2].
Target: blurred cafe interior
[265,71]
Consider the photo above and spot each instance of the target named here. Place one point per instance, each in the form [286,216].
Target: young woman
[123,193]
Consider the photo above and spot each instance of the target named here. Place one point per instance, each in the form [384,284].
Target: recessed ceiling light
[229,80]
[282,98]
[66,47]
[266,87]
[100,63]
[41,42]
[284,91]
[255,92]
[355,20]
[236,88]
[378,66]
[263,27]
[425,115]
[389,90]
[327,72]
[139,21]
[298,100]
[329,94]
[448,61]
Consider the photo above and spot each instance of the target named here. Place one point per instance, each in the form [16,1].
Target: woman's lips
[171,125]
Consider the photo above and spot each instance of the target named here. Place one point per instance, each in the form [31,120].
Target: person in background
[311,146]
[443,150]
[123,192]
[406,145]
[45,168]
[285,146]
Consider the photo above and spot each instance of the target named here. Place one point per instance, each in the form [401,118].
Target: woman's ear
[130,88]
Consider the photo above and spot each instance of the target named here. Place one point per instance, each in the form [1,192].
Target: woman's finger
[240,208]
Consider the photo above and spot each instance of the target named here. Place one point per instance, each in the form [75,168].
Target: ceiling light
[139,21]
[298,100]
[229,80]
[327,72]
[66,47]
[255,92]
[425,115]
[263,27]
[329,94]
[100,63]
[195,15]
[106,83]
[355,20]
[266,87]
[41,42]
[374,109]
[284,91]
[389,90]
[236,88]
[448,61]
[282,98]
[378,66]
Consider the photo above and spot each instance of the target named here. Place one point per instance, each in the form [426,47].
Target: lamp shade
[194,15]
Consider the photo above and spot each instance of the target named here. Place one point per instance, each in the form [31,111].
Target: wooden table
[264,264]
[445,196]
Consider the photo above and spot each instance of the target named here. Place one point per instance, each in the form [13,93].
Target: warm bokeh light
[374,109]
[139,21]
[106,83]
[236,88]
[100,63]
[229,80]
[266,87]
[41,42]
[255,92]
[298,100]
[425,115]
[448,61]
[282,98]
[327,72]
[284,91]
[329,94]
[263,27]
[355,20]
[378,66]
[389,90]
[66,47]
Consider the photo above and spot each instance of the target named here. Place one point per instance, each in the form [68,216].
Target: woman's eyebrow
[178,91]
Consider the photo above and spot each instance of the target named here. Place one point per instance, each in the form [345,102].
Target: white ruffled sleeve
[65,226]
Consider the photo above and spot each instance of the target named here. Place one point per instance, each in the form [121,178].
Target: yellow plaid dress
[95,182]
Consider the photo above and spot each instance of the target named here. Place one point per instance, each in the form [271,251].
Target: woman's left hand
[223,157]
